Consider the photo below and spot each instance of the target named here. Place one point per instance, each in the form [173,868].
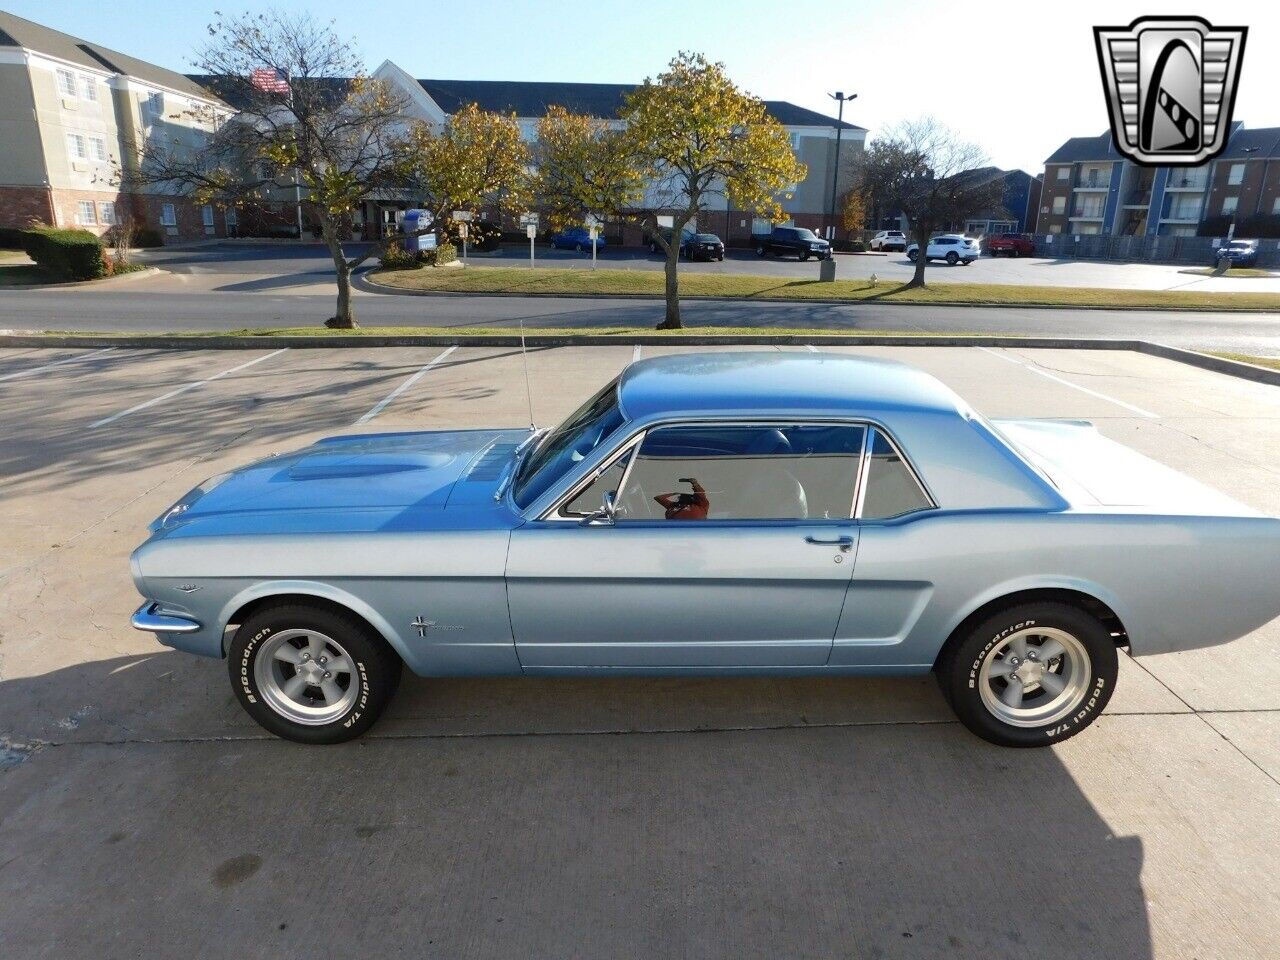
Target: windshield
[568,444]
[708,237]
[806,234]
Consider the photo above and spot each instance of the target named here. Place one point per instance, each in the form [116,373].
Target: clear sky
[1016,78]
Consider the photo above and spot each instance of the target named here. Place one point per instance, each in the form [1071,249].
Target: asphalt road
[143,814]
[130,308]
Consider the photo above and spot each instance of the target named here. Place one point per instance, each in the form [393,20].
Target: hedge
[65,254]
[11,238]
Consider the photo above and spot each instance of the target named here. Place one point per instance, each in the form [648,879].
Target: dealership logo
[1171,87]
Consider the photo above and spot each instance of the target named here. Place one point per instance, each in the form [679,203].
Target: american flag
[270,80]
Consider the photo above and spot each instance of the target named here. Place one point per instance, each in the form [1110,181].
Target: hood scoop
[333,467]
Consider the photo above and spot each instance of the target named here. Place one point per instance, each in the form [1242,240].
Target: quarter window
[891,488]
[744,472]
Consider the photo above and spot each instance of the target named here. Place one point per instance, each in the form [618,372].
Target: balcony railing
[1093,183]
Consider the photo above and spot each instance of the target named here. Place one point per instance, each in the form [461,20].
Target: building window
[1235,176]
[1055,228]
[77,147]
[232,218]
[1229,204]
[66,83]
[107,212]
[155,105]
[1064,173]
[86,213]
[1059,205]
[1275,205]
[168,216]
[90,89]
[98,148]
[206,215]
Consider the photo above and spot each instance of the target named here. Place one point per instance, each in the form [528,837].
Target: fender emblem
[423,624]
[189,588]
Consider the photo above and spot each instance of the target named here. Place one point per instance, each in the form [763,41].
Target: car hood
[367,473]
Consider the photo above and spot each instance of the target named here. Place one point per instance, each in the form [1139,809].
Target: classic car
[729,513]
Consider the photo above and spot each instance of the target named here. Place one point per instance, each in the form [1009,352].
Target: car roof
[779,383]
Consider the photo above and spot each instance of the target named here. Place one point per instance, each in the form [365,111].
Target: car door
[732,547]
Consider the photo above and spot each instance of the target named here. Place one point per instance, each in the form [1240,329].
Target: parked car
[953,248]
[484,236]
[576,238]
[710,514]
[792,240]
[702,246]
[1241,253]
[666,232]
[889,240]
[1012,244]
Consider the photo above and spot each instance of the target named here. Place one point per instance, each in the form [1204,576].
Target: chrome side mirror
[606,515]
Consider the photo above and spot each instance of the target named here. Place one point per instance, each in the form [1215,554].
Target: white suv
[953,248]
[889,240]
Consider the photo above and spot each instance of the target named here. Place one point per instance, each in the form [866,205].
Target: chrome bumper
[145,618]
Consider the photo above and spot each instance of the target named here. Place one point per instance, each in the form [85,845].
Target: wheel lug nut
[327,674]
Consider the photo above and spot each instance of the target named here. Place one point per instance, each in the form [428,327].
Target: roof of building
[1242,143]
[532,98]
[786,383]
[236,91]
[17,32]
[1080,149]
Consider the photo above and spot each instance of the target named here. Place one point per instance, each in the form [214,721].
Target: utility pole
[840,97]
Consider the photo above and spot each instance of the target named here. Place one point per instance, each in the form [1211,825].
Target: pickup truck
[792,240]
[1013,244]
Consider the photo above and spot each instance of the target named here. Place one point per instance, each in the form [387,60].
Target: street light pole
[839,96]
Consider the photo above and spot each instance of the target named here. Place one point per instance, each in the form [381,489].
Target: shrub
[444,253]
[11,238]
[65,254]
[148,237]
[396,257]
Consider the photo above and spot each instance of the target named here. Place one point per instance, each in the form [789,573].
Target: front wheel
[952,258]
[311,674]
[760,251]
[1031,675]
[913,255]
[803,257]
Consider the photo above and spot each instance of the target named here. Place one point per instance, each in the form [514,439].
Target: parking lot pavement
[142,813]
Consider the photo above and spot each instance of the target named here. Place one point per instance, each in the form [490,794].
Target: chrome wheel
[1034,677]
[306,677]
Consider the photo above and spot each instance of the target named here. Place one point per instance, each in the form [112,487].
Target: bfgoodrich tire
[311,674]
[1031,675]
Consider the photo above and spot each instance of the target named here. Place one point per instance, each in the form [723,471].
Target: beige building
[73,115]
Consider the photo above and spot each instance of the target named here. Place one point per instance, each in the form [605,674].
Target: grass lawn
[1272,362]
[553,281]
[622,333]
[1233,272]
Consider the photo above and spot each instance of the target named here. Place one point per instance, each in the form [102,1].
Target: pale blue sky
[1017,78]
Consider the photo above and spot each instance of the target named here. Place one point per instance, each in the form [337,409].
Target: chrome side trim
[146,619]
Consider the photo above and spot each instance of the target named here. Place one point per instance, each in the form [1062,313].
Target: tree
[853,210]
[584,166]
[693,135]
[921,169]
[475,159]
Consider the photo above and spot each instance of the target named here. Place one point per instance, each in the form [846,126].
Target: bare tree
[308,127]
[920,168]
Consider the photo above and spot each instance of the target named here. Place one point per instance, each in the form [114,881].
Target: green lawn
[553,281]
[622,333]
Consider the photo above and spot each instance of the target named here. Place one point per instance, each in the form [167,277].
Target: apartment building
[813,138]
[73,115]
[1089,188]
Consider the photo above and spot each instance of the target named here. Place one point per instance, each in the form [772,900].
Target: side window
[747,472]
[891,487]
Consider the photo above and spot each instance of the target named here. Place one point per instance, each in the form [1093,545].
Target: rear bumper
[147,619]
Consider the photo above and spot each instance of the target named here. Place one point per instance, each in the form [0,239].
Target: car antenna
[524,360]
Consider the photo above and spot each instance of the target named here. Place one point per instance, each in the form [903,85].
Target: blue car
[577,238]
[727,514]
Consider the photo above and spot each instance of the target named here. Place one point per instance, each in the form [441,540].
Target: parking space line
[57,363]
[412,379]
[635,352]
[180,390]
[811,348]
[1074,386]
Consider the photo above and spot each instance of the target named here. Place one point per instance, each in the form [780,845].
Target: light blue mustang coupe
[729,513]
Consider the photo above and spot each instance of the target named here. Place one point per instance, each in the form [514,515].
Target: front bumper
[146,618]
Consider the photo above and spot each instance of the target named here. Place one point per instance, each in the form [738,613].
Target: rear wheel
[311,674]
[913,255]
[760,250]
[1031,675]
[953,258]
[803,255]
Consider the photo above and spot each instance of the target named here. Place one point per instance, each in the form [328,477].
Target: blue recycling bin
[415,220]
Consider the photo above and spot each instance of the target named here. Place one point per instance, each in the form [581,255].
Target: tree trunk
[922,246]
[671,319]
[343,318]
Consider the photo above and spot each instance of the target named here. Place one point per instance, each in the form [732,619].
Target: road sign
[531,230]
[528,218]
[462,216]
[462,230]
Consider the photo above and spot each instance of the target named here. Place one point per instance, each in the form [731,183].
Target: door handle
[843,542]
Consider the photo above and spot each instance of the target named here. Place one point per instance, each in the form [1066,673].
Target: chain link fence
[1197,250]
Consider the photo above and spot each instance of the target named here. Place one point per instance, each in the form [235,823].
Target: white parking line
[57,363]
[414,378]
[179,390]
[635,352]
[811,348]
[1074,386]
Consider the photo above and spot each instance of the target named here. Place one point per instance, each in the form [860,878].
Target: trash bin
[827,270]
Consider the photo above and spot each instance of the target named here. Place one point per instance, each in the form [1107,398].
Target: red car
[1013,244]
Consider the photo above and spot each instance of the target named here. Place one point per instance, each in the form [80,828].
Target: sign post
[593,229]
[462,218]
[530,222]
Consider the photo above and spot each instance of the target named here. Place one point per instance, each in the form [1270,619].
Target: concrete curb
[1234,368]
[100,282]
[362,282]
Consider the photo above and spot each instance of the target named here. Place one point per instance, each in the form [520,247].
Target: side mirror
[606,515]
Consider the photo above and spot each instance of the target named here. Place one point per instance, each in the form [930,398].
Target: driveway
[142,814]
